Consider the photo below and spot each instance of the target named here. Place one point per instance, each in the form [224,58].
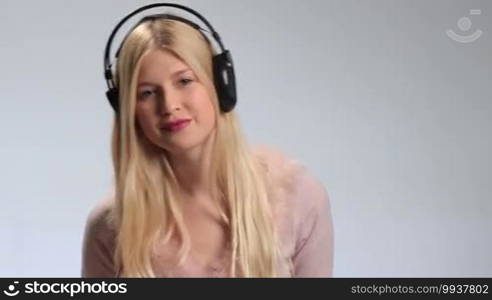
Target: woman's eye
[145,94]
[185,81]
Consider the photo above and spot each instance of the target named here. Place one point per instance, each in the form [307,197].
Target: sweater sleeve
[98,244]
[314,252]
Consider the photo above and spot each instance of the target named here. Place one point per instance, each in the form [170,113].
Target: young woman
[192,198]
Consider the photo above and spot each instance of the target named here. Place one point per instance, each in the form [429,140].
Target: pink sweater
[302,215]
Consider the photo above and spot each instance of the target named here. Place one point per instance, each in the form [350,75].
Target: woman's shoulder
[290,181]
[279,167]
[99,241]
[99,220]
[302,212]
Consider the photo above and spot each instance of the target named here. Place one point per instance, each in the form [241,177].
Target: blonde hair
[146,207]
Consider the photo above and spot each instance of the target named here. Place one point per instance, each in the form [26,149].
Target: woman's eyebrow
[144,83]
[179,72]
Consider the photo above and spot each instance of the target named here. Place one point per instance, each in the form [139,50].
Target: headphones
[223,69]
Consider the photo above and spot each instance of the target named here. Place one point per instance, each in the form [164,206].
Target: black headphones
[224,79]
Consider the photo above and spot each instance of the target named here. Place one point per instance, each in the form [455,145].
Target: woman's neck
[192,170]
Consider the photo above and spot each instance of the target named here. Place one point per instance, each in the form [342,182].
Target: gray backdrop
[386,109]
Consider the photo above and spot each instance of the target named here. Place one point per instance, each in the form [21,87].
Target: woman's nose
[169,102]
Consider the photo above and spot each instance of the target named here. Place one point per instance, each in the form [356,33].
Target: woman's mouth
[177,126]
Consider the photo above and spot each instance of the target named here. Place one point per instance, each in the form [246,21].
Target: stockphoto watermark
[465,34]
[72,288]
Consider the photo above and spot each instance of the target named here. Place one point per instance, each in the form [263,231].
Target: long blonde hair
[146,207]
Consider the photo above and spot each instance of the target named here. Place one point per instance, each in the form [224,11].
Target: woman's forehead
[161,63]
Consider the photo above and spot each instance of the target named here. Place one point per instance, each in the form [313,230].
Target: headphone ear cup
[113,97]
[225,81]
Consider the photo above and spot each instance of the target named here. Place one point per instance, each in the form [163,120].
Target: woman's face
[168,90]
